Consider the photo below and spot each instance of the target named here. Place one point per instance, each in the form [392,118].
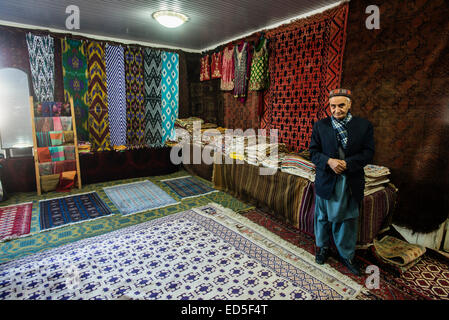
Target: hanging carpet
[170,93]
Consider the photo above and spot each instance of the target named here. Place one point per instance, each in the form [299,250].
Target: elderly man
[340,146]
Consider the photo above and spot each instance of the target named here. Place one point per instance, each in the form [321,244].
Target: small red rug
[15,221]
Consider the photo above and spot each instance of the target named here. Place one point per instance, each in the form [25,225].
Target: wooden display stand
[35,145]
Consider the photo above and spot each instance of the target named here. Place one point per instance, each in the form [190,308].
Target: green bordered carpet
[39,241]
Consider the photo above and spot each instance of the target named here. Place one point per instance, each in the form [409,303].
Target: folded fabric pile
[376,178]
[397,253]
[84,147]
[298,165]
[187,123]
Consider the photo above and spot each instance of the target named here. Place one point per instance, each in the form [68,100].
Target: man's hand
[338,166]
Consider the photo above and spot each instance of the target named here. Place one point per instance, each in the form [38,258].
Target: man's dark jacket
[358,153]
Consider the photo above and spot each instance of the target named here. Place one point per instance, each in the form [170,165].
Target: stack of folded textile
[84,147]
[376,178]
[187,123]
[298,165]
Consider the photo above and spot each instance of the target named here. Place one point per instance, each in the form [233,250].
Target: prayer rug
[54,213]
[116,87]
[170,96]
[74,64]
[99,135]
[188,187]
[208,252]
[153,96]
[15,221]
[42,65]
[138,197]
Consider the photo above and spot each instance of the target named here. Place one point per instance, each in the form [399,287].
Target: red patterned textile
[238,115]
[215,65]
[305,64]
[15,221]
[205,68]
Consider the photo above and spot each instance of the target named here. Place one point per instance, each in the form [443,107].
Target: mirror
[15,118]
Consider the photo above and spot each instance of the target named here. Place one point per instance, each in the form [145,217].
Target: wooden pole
[35,155]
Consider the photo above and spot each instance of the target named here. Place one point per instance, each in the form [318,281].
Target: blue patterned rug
[207,253]
[187,187]
[54,213]
[138,197]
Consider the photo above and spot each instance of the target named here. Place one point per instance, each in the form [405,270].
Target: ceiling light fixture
[170,19]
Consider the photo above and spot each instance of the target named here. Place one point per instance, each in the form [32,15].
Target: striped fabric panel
[56,153]
[43,139]
[295,162]
[116,88]
[56,138]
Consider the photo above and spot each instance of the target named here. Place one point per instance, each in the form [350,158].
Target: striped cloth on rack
[116,87]
[56,138]
[152,97]
[56,153]
[43,139]
[42,65]
[57,125]
[66,123]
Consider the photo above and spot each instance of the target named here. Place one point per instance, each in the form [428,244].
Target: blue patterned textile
[170,94]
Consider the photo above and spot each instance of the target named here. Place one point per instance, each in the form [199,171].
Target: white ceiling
[212,22]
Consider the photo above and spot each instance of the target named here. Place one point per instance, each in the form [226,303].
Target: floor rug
[57,212]
[15,221]
[427,280]
[138,197]
[188,187]
[208,252]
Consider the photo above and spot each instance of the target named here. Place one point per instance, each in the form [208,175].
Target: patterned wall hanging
[99,135]
[241,115]
[305,64]
[170,93]
[215,66]
[205,68]
[116,86]
[42,64]
[152,97]
[135,109]
[74,67]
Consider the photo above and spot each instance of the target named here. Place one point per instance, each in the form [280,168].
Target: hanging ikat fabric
[74,68]
[42,64]
[99,135]
[215,66]
[152,62]
[135,108]
[240,70]
[305,64]
[205,68]
[116,87]
[170,94]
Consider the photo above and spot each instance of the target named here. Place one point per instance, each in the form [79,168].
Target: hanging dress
[258,79]
[240,70]
[205,68]
[227,69]
[215,65]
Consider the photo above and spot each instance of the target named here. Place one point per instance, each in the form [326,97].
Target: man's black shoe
[352,266]
[321,255]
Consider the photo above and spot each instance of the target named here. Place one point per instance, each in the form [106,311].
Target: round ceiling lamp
[170,19]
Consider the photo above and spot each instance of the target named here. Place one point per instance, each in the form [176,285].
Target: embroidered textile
[258,79]
[205,68]
[216,65]
[42,65]
[240,70]
[227,69]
